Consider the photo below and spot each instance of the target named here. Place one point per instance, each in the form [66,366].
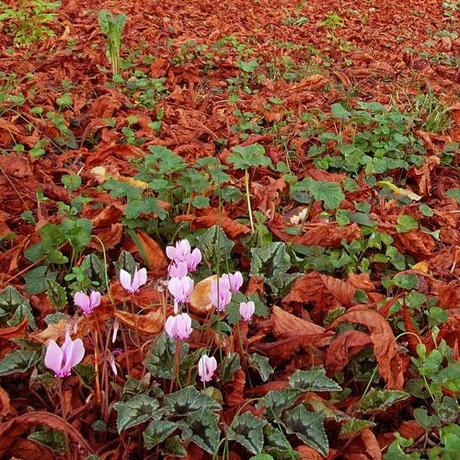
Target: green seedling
[112,26]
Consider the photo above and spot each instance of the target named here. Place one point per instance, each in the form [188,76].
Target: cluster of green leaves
[383,142]
[193,414]
[29,22]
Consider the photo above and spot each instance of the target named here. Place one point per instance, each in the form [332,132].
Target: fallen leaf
[150,323]
[383,340]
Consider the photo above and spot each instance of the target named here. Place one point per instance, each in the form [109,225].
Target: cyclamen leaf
[262,365]
[14,307]
[135,411]
[313,380]
[18,361]
[276,401]
[188,400]
[202,428]
[246,429]
[157,432]
[308,427]
[377,401]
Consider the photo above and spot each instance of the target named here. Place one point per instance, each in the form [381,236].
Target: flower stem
[248,198]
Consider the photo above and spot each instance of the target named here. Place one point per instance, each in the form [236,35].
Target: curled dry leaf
[343,348]
[12,332]
[383,341]
[363,447]
[231,227]
[150,323]
[11,430]
[199,300]
[156,260]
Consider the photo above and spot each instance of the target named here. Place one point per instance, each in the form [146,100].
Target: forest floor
[312,146]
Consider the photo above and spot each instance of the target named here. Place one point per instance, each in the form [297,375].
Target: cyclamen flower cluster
[184,260]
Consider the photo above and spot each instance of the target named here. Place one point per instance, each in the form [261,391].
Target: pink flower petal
[125,280]
[82,300]
[53,357]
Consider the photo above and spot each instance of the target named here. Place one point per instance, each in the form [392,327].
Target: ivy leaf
[14,307]
[188,400]
[312,380]
[406,223]
[157,432]
[18,361]
[262,365]
[246,429]
[202,428]
[308,427]
[249,156]
[135,411]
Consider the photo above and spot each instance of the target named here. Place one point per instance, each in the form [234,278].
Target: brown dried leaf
[383,340]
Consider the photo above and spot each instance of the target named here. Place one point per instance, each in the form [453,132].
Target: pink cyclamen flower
[181,289]
[235,281]
[132,284]
[86,302]
[178,252]
[179,326]
[247,309]
[177,269]
[220,295]
[61,359]
[193,260]
[206,368]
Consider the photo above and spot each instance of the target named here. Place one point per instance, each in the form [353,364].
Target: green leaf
[247,67]
[188,400]
[262,457]
[202,428]
[215,246]
[246,429]
[454,193]
[157,432]
[276,401]
[353,427]
[405,280]
[446,409]
[136,410]
[262,365]
[160,360]
[53,439]
[36,279]
[275,438]
[14,307]
[56,294]
[308,427]
[174,447]
[148,205]
[312,380]
[200,202]
[427,421]
[164,160]
[329,193]
[18,361]
[339,111]
[406,223]
[229,365]
[271,262]
[77,232]
[72,182]
[377,401]
[249,156]
[449,377]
